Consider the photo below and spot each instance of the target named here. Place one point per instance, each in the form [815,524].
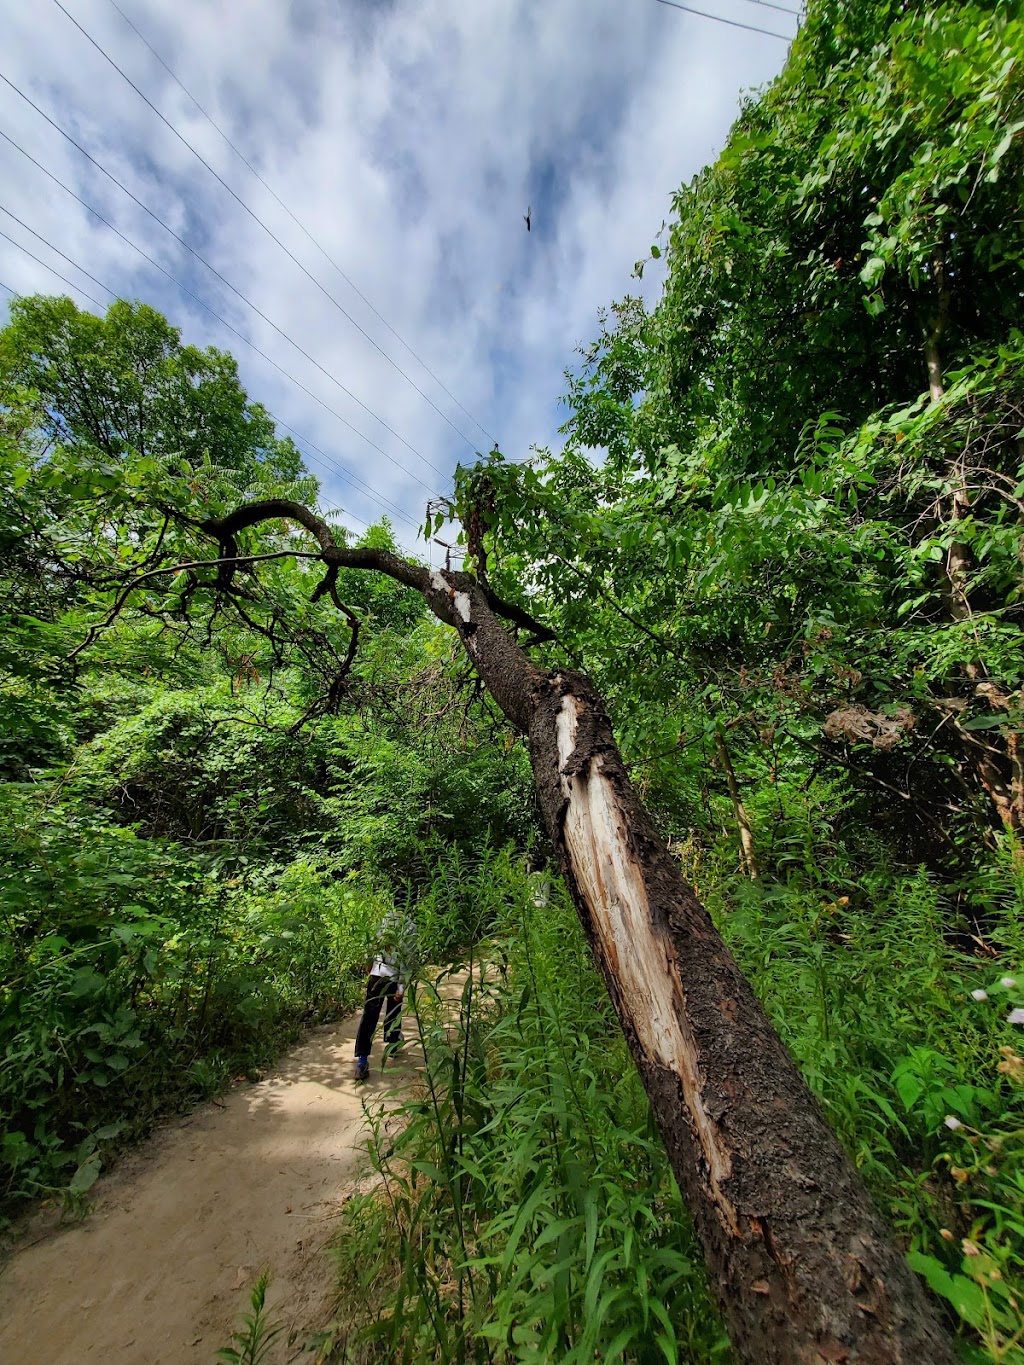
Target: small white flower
[1008,982]
[951,1122]
[979,995]
[1015,1017]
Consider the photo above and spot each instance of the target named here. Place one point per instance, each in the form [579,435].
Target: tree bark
[803,1266]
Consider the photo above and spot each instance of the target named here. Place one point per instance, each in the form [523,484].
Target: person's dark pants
[377,987]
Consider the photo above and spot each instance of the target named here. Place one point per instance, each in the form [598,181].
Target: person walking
[389,972]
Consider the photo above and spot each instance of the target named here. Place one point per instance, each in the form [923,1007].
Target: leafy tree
[786,536]
[125,387]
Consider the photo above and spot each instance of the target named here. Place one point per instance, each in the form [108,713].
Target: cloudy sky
[408,137]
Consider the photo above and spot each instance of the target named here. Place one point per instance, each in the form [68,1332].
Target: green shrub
[138,976]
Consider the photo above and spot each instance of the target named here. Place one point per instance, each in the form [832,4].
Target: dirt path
[161,1270]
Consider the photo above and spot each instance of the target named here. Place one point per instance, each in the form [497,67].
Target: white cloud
[409,138]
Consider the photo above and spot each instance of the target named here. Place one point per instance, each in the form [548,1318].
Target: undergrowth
[906,1022]
[138,976]
[526,1210]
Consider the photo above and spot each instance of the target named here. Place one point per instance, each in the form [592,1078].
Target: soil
[161,1269]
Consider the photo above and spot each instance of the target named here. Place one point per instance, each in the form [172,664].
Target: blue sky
[409,137]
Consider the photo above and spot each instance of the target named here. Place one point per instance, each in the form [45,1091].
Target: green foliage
[527,1212]
[124,385]
[754,517]
[206,816]
[139,976]
[905,1034]
[252,1345]
[748,541]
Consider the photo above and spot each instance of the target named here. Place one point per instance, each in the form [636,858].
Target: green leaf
[86,1176]
[965,1295]
[910,1088]
[86,981]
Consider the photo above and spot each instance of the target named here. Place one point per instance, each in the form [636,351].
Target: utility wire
[63,278]
[332,466]
[258,220]
[718,18]
[767,4]
[16,293]
[214,271]
[378,497]
[302,227]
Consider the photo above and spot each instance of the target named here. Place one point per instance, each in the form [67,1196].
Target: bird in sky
[526,218]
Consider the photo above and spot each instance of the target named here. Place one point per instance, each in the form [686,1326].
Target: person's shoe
[396,1038]
[362,1068]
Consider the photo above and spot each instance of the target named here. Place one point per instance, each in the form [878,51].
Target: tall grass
[526,1211]
[900,1015]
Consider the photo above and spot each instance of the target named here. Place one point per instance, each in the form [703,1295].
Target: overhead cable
[258,220]
[77,287]
[213,313]
[298,221]
[202,303]
[703,14]
[335,466]
[377,497]
[214,271]
[766,4]
[16,293]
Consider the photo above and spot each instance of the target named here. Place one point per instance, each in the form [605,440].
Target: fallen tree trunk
[803,1266]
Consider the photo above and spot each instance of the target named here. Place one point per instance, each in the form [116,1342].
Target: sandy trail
[161,1270]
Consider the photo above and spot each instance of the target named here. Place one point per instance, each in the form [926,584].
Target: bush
[139,976]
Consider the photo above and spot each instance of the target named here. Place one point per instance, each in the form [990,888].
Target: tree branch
[122,597]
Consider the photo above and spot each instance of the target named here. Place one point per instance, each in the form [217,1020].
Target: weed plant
[253,1342]
[526,1211]
[901,1015]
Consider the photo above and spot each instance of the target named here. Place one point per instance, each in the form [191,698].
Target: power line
[214,271]
[257,219]
[213,313]
[63,278]
[16,293]
[328,463]
[703,14]
[368,489]
[767,4]
[299,223]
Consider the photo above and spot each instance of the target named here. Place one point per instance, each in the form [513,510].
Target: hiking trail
[161,1269]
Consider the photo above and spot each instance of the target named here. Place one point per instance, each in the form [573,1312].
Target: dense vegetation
[195,858]
[785,539]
